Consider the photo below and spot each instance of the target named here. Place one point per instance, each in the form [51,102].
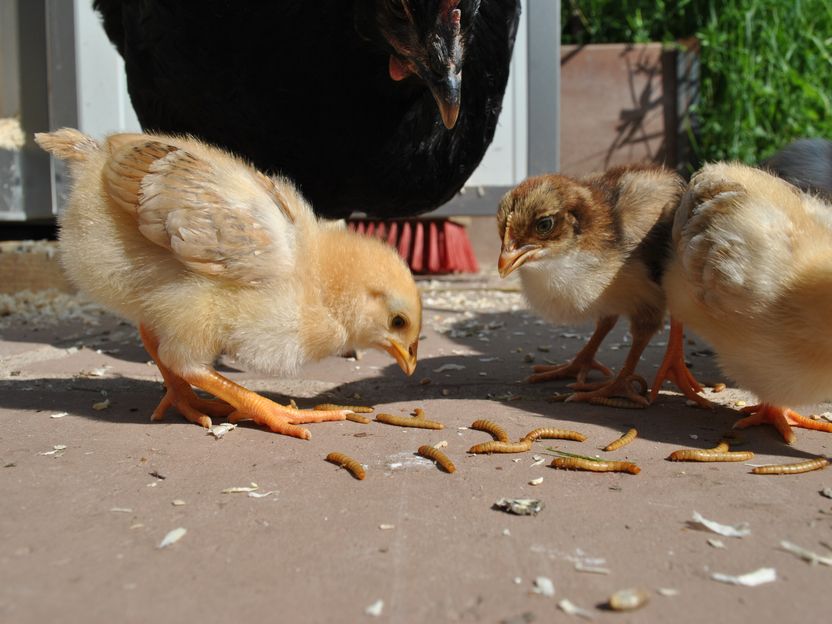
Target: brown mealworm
[619,402]
[804,466]
[491,427]
[496,446]
[576,463]
[345,461]
[358,418]
[622,441]
[438,456]
[358,409]
[710,455]
[547,433]
[407,421]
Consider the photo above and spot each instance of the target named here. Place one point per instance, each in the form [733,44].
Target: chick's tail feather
[67,143]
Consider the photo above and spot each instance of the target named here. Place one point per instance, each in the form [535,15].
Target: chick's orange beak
[513,257]
[405,356]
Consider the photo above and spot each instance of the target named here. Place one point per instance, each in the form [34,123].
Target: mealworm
[710,455]
[619,402]
[418,413]
[438,456]
[407,421]
[545,433]
[576,463]
[345,461]
[496,446]
[622,441]
[358,418]
[804,466]
[490,427]
[358,409]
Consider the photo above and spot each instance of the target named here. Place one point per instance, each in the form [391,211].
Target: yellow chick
[751,273]
[592,249]
[208,256]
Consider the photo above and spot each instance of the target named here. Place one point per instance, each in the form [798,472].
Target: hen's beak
[512,257]
[448,96]
[405,357]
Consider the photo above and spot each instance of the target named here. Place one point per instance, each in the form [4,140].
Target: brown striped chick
[751,273]
[208,256]
[592,249]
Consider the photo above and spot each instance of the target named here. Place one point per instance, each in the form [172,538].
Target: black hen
[349,98]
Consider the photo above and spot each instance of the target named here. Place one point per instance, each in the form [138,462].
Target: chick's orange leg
[622,384]
[584,361]
[249,405]
[178,392]
[674,369]
[782,418]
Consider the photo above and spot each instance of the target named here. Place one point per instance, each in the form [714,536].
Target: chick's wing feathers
[732,230]
[218,216]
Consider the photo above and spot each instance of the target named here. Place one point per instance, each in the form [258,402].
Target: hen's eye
[398,322]
[544,225]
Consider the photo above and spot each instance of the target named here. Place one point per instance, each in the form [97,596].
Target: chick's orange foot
[675,370]
[187,403]
[629,386]
[782,418]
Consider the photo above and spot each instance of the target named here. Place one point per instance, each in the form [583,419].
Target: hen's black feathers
[302,88]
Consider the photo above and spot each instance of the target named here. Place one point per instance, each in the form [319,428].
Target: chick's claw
[576,369]
[621,386]
[781,418]
[187,403]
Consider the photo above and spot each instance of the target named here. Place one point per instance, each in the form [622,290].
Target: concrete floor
[80,527]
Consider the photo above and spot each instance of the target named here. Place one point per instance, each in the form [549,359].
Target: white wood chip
[57,448]
[220,430]
[667,591]
[716,543]
[121,510]
[827,492]
[59,415]
[241,489]
[537,462]
[375,609]
[260,494]
[740,530]
[806,555]
[590,569]
[544,586]
[177,502]
[751,579]
[537,481]
[172,537]
[386,527]
[571,609]
[440,445]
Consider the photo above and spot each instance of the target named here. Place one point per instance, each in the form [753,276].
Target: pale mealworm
[804,466]
[491,427]
[548,433]
[619,402]
[438,456]
[709,455]
[358,409]
[358,418]
[576,463]
[407,421]
[622,441]
[496,446]
[345,461]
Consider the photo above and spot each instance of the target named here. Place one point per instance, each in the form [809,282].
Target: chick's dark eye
[544,225]
[398,322]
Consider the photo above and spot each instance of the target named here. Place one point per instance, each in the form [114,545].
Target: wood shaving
[739,530]
[375,609]
[218,431]
[628,599]
[537,481]
[101,405]
[260,494]
[751,579]
[59,415]
[591,569]
[121,510]
[806,555]
[667,591]
[241,489]
[570,609]
[827,492]
[544,586]
[177,502]
[386,527]
[520,506]
[715,543]
[57,448]
[172,537]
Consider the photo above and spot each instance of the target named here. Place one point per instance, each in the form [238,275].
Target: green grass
[766,66]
